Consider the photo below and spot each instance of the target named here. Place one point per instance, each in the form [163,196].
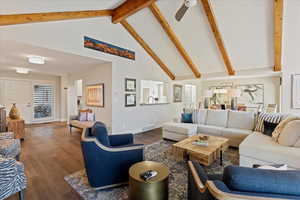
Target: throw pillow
[269,127]
[83,116]
[187,117]
[269,117]
[290,134]
[90,117]
[280,127]
[271,167]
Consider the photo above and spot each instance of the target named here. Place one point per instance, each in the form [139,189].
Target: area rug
[159,152]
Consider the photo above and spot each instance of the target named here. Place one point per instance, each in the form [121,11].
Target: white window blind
[43,99]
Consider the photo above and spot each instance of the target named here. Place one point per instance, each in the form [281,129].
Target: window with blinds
[43,101]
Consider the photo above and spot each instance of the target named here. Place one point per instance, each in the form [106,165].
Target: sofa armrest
[119,140]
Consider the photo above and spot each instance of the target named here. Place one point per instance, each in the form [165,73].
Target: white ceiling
[14,55]
[246,27]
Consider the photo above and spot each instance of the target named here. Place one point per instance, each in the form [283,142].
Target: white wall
[271,87]
[100,74]
[36,78]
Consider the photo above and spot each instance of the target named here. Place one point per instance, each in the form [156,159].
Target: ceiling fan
[184,8]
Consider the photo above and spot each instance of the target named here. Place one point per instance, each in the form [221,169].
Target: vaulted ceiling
[246,28]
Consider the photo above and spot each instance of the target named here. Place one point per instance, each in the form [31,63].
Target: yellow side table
[154,189]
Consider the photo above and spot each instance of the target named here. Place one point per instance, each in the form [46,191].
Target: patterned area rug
[155,152]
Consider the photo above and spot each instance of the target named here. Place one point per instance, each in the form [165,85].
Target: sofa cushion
[187,118]
[270,117]
[290,134]
[262,181]
[269,127]
[181,128]
[217,118]
[241,120]
[199,116]
[210,130]
[235,133]
[261,147]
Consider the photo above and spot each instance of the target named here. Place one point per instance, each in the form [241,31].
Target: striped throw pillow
[269,117]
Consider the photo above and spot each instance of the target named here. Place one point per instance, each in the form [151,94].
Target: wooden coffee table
[184,149]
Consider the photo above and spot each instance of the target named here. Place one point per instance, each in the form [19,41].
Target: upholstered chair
[12,178]
[108,158]
[9,147]
[241,183]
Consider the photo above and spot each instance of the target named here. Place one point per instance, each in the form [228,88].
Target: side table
[17,126]
[154,189]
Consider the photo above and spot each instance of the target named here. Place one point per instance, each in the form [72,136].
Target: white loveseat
[234,125]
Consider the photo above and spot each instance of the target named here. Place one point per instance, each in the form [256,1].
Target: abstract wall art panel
[95,95]
[108,48]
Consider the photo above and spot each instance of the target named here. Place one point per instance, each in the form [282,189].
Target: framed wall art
[177,93]
[130,85]
[94,95]
[130,100]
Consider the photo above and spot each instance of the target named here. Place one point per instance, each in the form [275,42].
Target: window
[190,96]
[43,97]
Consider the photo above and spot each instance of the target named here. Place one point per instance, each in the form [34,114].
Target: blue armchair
[240,183]
[108,158]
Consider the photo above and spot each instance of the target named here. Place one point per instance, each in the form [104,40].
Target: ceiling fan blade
[181,12]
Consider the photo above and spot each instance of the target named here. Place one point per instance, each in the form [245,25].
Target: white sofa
[234,125]
[258,148]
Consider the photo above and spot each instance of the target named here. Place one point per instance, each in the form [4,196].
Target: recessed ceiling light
[36,60]
[22,70]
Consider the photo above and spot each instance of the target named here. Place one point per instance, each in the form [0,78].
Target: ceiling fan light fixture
[39,60]
[190,3]
[22,71]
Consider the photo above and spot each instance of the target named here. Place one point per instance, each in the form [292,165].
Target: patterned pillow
[83,116]
[269,117]
[90,117]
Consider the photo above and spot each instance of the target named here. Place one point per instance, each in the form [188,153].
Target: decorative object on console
[130,85]
[177,93]
[235,94]
[108,48]
[130,100]
[296,90]
[269,127]
[14,112]
[95,95]
[208,94]
[251,94]
[271,108]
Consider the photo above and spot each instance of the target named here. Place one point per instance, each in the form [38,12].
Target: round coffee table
[154,189]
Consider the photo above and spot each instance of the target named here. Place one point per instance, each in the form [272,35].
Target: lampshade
[208,93]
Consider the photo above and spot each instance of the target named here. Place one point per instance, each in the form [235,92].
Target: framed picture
[130,85]
[130,100]
[94,95]
[296,91]
[251,95]
[177,93]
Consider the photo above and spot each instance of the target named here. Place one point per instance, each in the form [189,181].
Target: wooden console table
[17,126]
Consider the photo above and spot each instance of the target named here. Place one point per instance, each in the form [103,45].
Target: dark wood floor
[49,153]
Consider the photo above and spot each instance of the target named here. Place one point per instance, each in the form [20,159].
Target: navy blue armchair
[241,183]
[108,158]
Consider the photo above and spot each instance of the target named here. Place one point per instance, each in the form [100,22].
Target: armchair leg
[21,195]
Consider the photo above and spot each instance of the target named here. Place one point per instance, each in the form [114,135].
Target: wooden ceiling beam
[129,8]
[147,48]
[50,16]
[214,27]
[278,18]
[172,36]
